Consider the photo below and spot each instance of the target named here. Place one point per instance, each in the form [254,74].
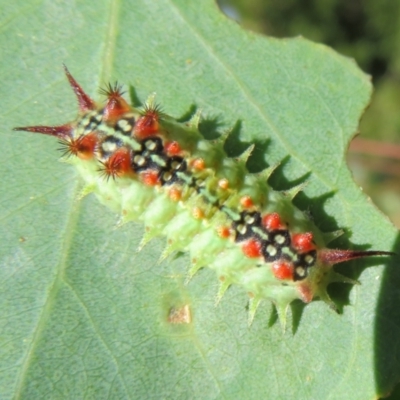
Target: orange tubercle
[246,202]
[283,269]
[303,242]
[197,213]
[223,232]
[272,221]
[173,148]
[150,178]
[223,183]
[175,194]
[252,248]
[198,164]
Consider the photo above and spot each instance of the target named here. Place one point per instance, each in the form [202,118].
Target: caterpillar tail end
[336,256]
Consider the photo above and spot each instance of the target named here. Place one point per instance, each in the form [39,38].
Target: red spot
[150,178]
[198,164]
[147,124]
[246,202]
[303,242]
[173,148]
[252,248]
[84,101]
[283,269]
[223,232]
[118,165]
[272,221]
[116,105]
[82,147]
[62,131]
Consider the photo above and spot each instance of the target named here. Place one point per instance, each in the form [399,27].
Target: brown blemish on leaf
[181,315]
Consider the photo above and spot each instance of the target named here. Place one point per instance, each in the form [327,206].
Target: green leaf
[84,315]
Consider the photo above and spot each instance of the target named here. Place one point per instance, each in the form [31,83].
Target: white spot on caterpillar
[124,125]
[139,160]
[151,145]
[280,239]
[175,164]
[249,219]
[309,259]
[109,147]
[167,176]
[271,250]
[241,229]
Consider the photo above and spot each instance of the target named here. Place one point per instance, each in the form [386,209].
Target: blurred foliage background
[369,32]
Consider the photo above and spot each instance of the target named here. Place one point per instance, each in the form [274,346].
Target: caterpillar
[148,167]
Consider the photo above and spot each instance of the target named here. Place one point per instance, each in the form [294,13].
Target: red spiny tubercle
[150,178]
[118,165]
[116,105]
[173,148]
[82,147]
[303,242]
[147,124]
[272,221]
